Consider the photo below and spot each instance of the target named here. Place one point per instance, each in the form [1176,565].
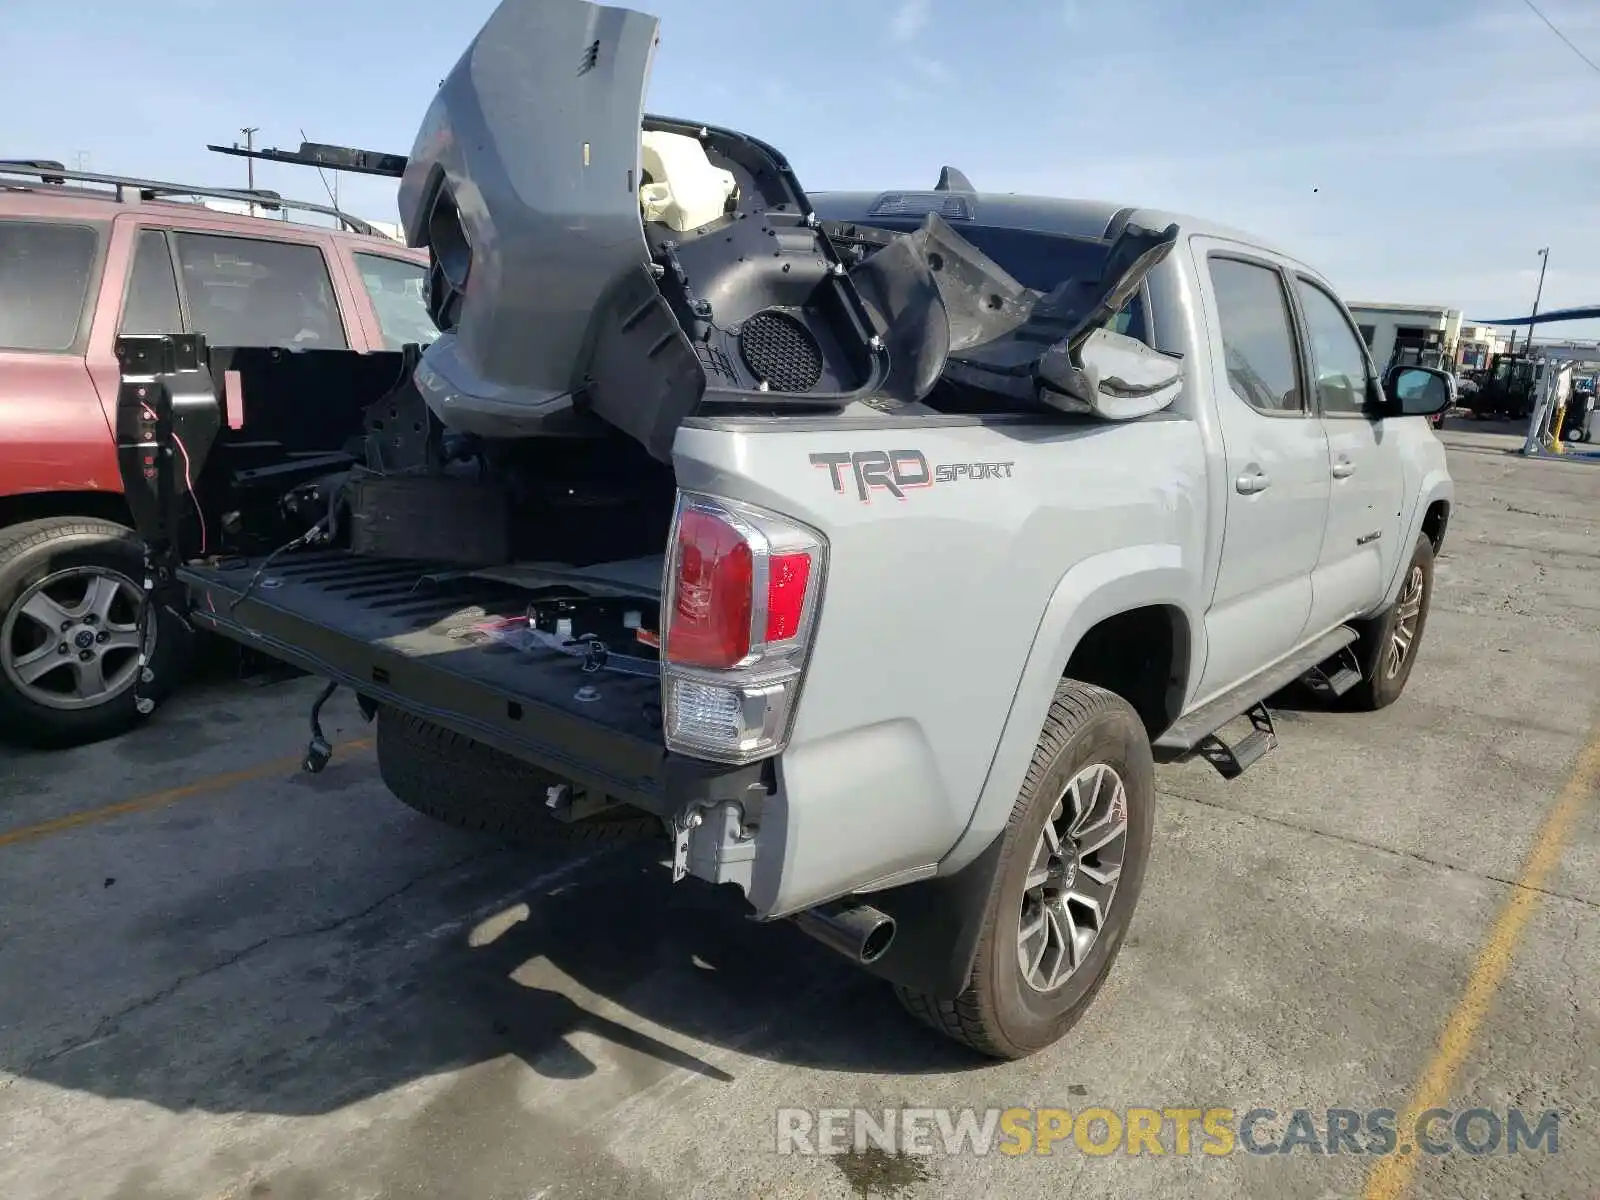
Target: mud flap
[938,924]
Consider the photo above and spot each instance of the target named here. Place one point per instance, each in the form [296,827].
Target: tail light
[739,607]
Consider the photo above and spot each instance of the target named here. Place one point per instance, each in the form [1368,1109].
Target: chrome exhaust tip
[858,931]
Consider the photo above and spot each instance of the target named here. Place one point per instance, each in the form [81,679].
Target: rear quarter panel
[933,604]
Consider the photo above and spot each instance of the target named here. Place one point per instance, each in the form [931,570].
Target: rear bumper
[384,630]
[391,632]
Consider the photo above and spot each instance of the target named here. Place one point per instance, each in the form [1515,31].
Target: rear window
[249,292]
[395,288]
[45,271]
[1044,261]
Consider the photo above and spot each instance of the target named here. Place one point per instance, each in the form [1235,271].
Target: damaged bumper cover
[567,278]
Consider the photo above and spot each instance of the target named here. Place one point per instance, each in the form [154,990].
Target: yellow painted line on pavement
[1392,1174]
[165,797]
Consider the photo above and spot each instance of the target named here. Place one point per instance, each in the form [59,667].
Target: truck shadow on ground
[611,970]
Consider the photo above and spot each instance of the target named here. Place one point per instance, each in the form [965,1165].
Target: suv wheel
[1389,642]
[70,594]
[1071,868]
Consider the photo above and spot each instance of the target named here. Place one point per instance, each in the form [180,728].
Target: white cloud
[909,20]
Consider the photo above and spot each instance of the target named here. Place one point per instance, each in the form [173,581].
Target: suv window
[249,292]
[1338,363]
[152,305]
[1258,342]
[395,287]
[45,269]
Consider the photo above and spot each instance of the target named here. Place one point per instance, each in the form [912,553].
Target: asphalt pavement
[220,977]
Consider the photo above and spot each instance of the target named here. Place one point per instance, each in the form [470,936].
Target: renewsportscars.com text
[1213,1131]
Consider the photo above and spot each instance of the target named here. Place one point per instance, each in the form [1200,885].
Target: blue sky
[1415,150]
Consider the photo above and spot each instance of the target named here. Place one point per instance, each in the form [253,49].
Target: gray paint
[949,617]
[540,153]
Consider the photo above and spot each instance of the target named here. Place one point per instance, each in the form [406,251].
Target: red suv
[84,259]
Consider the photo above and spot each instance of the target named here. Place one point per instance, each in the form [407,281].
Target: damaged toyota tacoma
[867,548]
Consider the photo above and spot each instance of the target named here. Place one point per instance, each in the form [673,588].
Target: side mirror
[1417,391]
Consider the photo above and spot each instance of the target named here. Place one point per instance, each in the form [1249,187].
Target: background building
[1477,345]
[1431,331]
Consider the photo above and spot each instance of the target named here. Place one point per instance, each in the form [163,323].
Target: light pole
[1527,342]
[1544,261]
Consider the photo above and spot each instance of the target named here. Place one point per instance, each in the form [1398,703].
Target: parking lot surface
[220,977]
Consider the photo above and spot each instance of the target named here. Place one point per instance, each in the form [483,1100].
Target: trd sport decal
[900,471]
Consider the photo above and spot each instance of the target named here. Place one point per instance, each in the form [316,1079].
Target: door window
[1338,363]
[152,306]
[249,292]
[45,271]
[1257,336]
[395,287]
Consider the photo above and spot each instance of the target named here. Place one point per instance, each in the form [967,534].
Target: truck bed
[400,632]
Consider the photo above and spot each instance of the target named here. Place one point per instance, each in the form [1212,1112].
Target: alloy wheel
[1408,613]
[71,641]
[1072,877]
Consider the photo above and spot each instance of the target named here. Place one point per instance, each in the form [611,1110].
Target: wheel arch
[1136,591]
[20,507]
[1430,516]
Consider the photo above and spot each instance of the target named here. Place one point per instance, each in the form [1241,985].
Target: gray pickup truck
[868,548]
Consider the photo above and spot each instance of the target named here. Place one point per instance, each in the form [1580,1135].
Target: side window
[45,272]
[250,292]
[1338,363]
[152,304]
[1130,319]
[395,287]
[1257,336]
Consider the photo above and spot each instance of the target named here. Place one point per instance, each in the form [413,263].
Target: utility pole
[250,132]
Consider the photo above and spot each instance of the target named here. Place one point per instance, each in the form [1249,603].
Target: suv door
[1361,542]
[236,289]
[1276,464]
[249,291]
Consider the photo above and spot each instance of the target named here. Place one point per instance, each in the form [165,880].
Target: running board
[1232,761]
[1186,736]
[1336,676]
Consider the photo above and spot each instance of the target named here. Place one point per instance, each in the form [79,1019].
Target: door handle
[1343,469]
[1255,481]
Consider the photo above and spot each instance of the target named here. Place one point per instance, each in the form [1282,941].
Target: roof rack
[39,173]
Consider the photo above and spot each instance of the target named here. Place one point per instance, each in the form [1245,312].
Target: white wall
[1386,320]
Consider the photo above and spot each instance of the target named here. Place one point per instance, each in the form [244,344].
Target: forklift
[1505,388]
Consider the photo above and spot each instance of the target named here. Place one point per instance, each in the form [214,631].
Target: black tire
[1381,685]
[999,1013]
[31,553]
[465,783]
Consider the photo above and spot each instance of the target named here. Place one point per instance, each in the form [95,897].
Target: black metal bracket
[325,155]
[145,455]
